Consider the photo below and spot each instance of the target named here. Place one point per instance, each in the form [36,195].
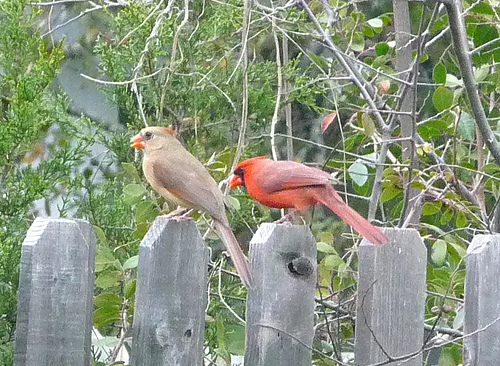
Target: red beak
[235,182]
[138,142]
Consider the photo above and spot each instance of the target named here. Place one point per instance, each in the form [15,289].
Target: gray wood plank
[169,320]
[391,298]
[56,283]
[482,301]
[280,309]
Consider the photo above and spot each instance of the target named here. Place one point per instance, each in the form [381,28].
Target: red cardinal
[287,184]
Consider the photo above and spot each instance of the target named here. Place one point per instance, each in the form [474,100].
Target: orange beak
[137,142]
[235,182]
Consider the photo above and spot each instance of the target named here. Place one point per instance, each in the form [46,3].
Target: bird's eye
[239,172]
[148,135]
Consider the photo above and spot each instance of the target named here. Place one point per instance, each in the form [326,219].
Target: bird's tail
[233,247]
[334,202]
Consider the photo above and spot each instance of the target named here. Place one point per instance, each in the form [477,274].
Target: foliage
[189,75]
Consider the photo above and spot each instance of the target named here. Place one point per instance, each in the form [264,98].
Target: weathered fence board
[169,319]
[482,302]
[280,309]
[391,298]
[54,320]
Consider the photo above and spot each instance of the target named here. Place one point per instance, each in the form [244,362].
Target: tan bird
[181,179]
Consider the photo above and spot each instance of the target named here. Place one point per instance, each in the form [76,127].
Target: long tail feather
[334,202]
[233,247]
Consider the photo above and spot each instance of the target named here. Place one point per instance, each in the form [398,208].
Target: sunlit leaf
[325,248]
[376,23]
[439,250]
[358,173]
[132,262]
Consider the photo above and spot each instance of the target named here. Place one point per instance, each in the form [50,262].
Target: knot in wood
[301,266]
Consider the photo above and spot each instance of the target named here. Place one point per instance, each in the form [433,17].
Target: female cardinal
[287,184]
[180,178]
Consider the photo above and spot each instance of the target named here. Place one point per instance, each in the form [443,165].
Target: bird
[288,184]
[183,180]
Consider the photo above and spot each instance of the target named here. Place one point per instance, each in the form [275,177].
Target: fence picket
[391,298]
[482,302]
[280,309]
[169,319]
[54,319]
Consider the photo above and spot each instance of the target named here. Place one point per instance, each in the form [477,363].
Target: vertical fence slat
[482,301]
[56,282]
[169,319]
[391,298]
[280,309]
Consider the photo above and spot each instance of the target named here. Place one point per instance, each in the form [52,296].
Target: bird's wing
[283,175]
[189,182]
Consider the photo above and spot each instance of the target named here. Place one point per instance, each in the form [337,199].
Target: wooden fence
[57,280]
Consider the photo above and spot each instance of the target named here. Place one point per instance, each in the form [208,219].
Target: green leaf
[376,23]
[105,342]
[333,261]
[108,279]
[442,98]
[235,339]
[481,73]
[461,220]
[318,60]
[439,250]
[368,124]
[132,262]
[388,193]
[467,127]
[233,203]
[382,49]
[131,172]
[491,168]
[146,212]
[431,208]
[140,230]
[358,42]
[133,193]
[130,287]
[325,248]
[326,237]
[439,74]
[104,258]
[358,173]
[107,299]
[447,216]
[106,315]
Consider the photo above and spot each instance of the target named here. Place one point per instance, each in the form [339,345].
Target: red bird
[287,184]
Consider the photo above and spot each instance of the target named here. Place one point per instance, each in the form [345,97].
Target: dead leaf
[327,121]
[384,86]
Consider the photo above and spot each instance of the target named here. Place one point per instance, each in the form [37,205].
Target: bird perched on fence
[180,178]
[287,184]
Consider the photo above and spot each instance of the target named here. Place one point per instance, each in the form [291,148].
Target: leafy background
[281,88]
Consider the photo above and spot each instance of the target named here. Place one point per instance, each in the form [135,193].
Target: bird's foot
[180,214]
[286,219]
